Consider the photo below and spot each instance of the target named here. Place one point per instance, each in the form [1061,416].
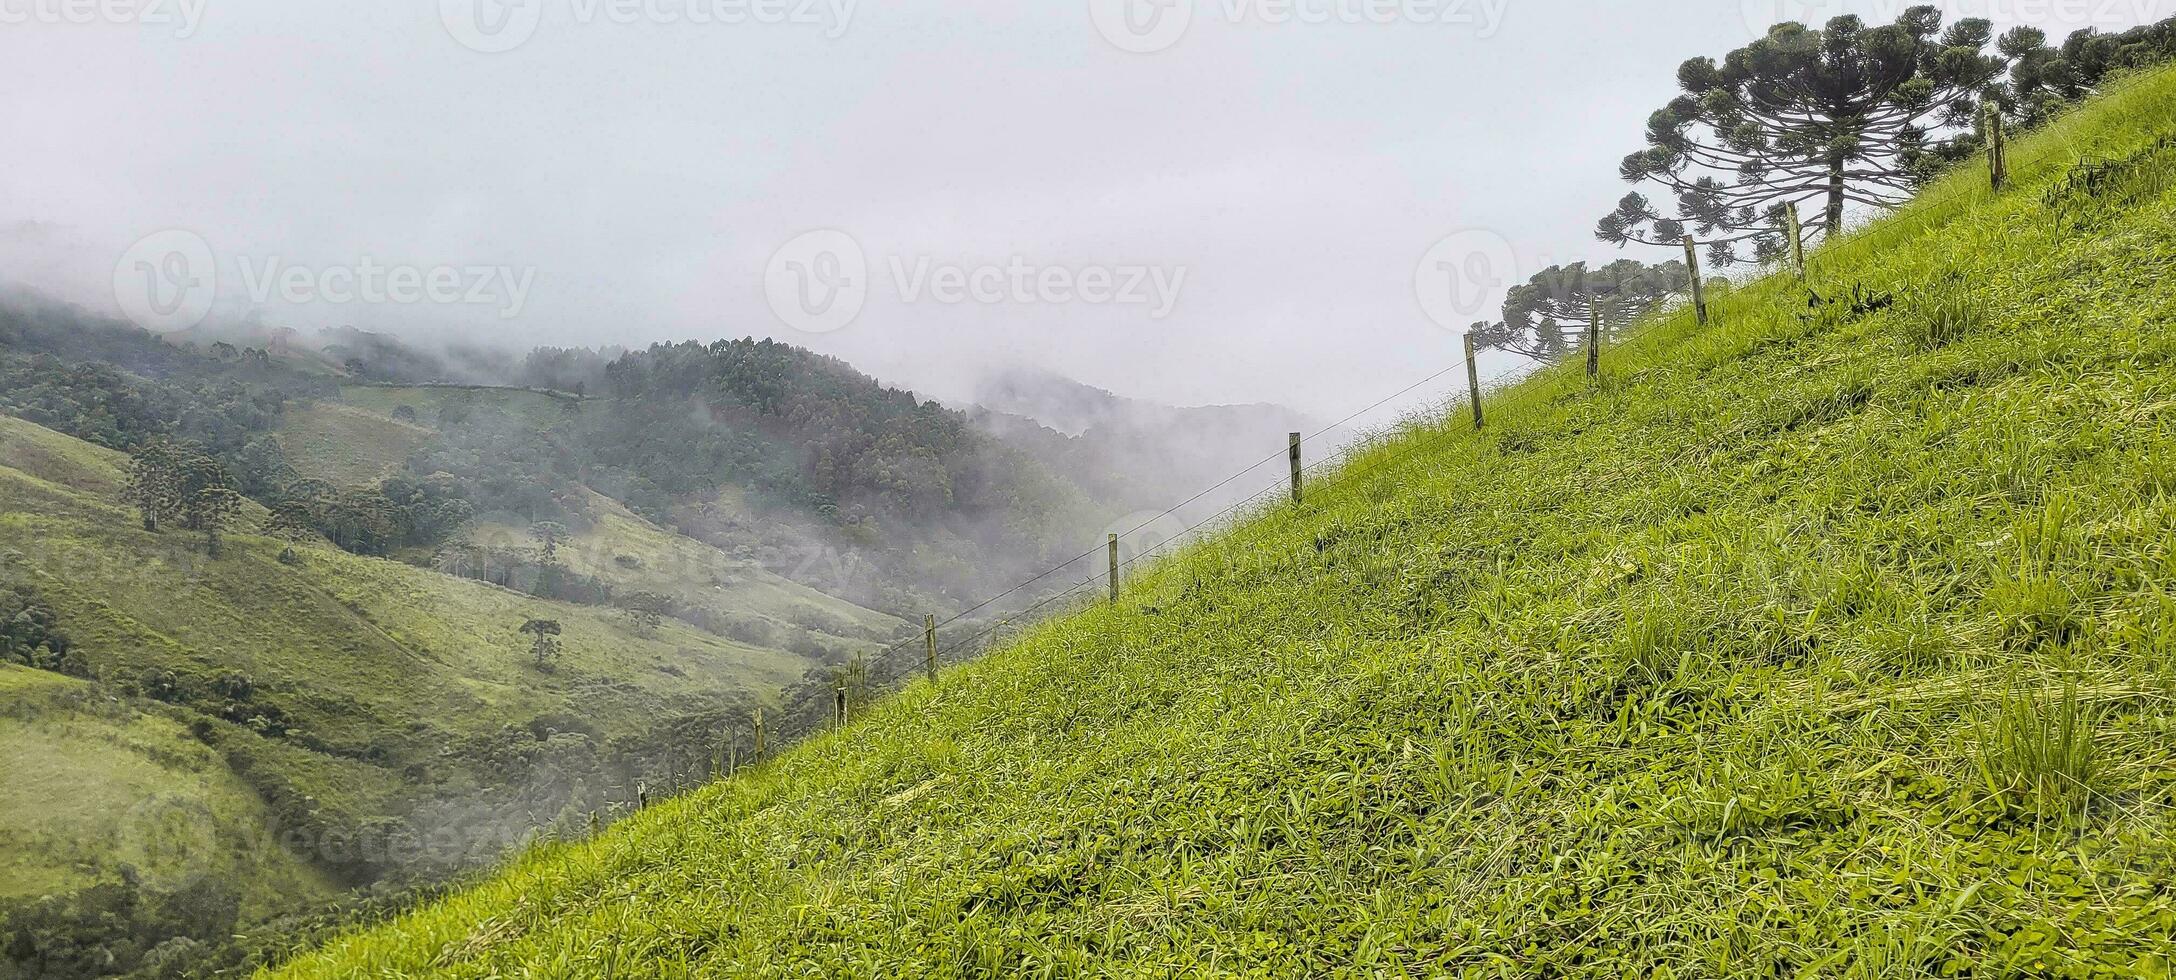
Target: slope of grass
[346,445]
[1816,643]
[93,783]
[39,452]
[427,401]
[738,595]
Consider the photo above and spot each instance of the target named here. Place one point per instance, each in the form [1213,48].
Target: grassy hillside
[343,690]
[345,445]
[1824,641]
[735,595]
[94,782]
[428,401]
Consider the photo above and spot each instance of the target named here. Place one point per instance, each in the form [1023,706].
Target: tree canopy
[1840,115]
[1545,317]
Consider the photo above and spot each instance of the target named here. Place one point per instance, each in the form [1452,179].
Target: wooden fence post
[1295,445]
[1594,338]
[929,645]
[759,736]
[838,704]
[1473,380]
[1797,235]
[1114,569]
[1998,156]
[1699,292]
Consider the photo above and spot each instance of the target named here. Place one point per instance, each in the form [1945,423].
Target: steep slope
[730,595]
[1833,639]
[94,782]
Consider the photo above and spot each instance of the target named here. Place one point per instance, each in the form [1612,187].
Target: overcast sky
[1207,202]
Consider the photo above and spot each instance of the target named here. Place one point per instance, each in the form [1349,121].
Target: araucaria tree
[1840,116]
[545,645]
[1546,316]
[211,510]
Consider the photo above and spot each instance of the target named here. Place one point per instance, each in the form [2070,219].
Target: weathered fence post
[838,704]
[759,736]
[1114,569]
[1295,444]
[929,645]
[1699,291]
[1998,155]
[1594,338]
[1473,380]
[1797,234]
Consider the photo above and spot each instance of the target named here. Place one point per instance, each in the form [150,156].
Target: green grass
[94,782]
[1760,658]
[426,401]
[346,445]
[630,553]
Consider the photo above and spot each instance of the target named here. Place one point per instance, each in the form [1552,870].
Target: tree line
[1845,116]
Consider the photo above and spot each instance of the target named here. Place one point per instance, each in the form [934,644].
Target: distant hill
[1146,454]
[357,705]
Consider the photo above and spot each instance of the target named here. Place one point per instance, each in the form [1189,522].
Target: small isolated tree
[1546,317]
[211,510]
[1839,115]
[544,643]
[549,534]
[646,611]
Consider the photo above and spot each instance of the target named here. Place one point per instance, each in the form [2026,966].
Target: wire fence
[894,664]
